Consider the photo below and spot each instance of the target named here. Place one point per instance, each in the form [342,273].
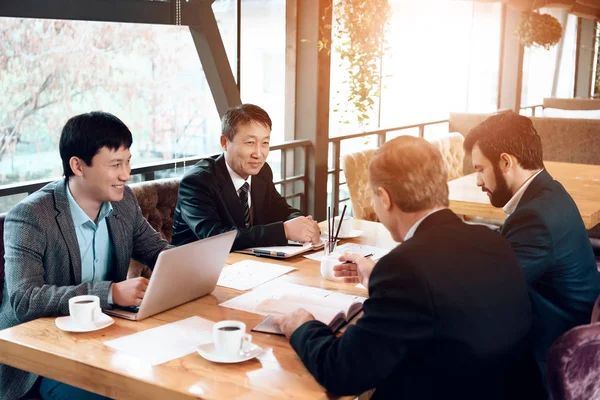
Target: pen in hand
[367,256]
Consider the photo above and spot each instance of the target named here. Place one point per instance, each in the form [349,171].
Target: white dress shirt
[238,181]
[512,204]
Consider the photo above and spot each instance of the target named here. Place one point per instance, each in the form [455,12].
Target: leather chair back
[573,365]
[157,199]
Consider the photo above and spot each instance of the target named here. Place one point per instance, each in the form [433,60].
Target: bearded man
[543,226]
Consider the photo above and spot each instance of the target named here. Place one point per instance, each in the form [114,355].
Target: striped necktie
[244,200]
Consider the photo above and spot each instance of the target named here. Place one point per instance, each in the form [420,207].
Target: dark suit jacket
[43,263]
[209,205]
[447,317]
[550,240]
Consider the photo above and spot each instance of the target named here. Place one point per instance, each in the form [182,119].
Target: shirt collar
[80,217]
[237,180]
[512,204]
[413,229]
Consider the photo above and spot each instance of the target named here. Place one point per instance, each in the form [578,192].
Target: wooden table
[82,359]
[582,181]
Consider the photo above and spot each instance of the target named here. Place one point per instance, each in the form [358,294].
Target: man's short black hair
[84,135]
[242,115]
[511,133]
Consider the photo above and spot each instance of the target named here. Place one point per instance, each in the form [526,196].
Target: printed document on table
[247,274]
[361,249]
[257,300]
[167,342]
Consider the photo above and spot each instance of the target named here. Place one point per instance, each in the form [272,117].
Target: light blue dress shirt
[95,246]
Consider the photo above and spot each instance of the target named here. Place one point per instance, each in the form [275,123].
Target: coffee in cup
[230,338]
[85,309]
[229,328]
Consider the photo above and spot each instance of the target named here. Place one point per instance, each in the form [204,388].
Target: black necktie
[244,200]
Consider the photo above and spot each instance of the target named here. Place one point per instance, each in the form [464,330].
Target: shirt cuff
[110,299]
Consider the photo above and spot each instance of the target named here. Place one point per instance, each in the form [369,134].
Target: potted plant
[359,39]
[541,30]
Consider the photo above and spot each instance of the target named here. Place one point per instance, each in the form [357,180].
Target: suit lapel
[536,185]
[119,242]
[230,197]
[67,229]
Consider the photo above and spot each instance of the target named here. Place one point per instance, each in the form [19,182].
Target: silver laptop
[181,274]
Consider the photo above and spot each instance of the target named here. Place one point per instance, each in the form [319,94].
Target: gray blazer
[43,264]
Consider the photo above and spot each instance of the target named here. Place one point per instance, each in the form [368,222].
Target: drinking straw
[339,225]
[328,225]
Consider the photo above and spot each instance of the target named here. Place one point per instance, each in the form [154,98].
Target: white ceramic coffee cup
[84,309]
[230,338]
[346,227]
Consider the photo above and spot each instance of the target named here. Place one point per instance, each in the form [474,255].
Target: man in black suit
[543,226]
[235,190]
[447,314]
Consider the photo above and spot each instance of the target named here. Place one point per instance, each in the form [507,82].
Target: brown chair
[157,199]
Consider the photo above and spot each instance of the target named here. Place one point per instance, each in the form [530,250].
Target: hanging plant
[360,40]
[541,30]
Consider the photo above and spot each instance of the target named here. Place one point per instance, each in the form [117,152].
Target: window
[540,65]
[596,69]
[226,14]
[263,36]
[149,76]
[440,57]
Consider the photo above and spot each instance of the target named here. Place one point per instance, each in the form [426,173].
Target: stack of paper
[247,274]
[255,300]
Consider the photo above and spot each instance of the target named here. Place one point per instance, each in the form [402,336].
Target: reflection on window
[566,73]
[440,57]
[148,76]
[596,69]
[226,15]
[263,59]
[539,64]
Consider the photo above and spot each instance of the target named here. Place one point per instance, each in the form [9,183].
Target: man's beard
[502,194]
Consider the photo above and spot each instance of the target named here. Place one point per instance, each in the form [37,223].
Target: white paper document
[167,342]
[247,274]
[361,249]
[260,299]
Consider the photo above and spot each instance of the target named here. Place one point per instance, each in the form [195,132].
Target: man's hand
[290,322]
[302,229]
[357,271]
[129,292]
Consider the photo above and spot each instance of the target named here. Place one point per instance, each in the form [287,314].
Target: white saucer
[208,351]
[354,233]
[69,325]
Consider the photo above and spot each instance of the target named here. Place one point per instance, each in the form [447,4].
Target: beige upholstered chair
[157,199]
[450,144]
[356,169]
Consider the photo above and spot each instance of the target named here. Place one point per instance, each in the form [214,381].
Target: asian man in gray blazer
[73,237]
